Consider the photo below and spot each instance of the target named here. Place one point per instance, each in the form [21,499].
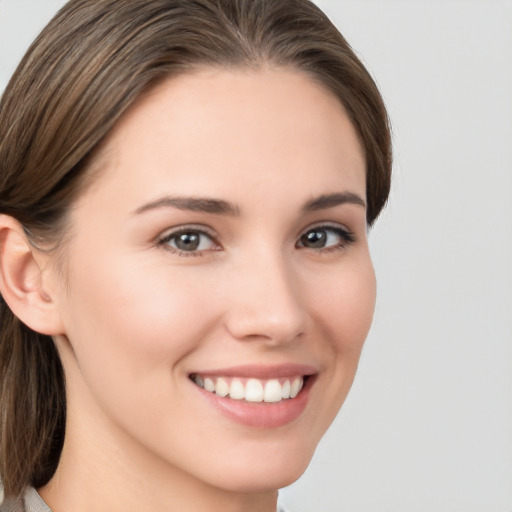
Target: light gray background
[428,424]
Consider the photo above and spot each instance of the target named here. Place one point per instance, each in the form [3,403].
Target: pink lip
[260,414]
[262,372]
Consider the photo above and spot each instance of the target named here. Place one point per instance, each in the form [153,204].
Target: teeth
[237,390]
[221,387]
[296,387]
[209,385]
[274,391]
[286,389]
[253,390]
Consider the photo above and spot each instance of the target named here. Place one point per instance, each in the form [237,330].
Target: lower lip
[261,414]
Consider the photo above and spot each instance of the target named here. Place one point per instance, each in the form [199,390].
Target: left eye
[324,237]
[189,241]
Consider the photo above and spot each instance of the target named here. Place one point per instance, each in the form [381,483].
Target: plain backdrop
[428,424]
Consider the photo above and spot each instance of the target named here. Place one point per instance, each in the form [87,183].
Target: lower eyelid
[347,236]
[164,241]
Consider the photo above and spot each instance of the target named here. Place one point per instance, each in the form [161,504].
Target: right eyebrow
[193,204]
[326,201]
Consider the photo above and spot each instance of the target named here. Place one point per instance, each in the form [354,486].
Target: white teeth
[254,390]
[237,390]
[296,387]
[286,389]
[221,387]
[209,385]
[274,391]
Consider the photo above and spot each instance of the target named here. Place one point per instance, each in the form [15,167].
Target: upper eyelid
[201,228]
[348,236]
[326,224]
[163,240]
[188,227]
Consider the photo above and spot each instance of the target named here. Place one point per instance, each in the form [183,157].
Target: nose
[267,303]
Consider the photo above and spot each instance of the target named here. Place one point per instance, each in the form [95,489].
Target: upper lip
[261,371]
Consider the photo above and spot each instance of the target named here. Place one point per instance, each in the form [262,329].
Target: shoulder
[29,502]
[11,504]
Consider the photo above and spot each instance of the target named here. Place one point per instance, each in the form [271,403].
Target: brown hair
[77,79]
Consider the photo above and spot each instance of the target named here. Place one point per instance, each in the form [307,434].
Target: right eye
[326,238]
[188,242]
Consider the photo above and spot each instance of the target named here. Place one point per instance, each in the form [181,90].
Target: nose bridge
[266,299]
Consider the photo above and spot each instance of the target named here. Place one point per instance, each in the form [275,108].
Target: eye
[326,237]
[188,242]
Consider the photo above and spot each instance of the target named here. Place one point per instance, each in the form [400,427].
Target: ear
[23,282]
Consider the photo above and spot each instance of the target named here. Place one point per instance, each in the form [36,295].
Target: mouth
[271,391]
[258,396]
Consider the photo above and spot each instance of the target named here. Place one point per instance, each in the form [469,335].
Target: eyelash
[346,239]
[188,230]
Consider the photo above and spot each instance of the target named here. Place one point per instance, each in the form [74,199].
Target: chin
[263,474]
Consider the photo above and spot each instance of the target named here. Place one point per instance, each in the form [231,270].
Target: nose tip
[274,327]
[267,307]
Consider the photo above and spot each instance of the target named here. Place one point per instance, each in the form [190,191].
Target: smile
[251,389]
[258,396]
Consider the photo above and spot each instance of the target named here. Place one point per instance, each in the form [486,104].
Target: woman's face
[223,245]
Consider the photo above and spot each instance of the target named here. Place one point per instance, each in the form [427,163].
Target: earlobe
[22,280]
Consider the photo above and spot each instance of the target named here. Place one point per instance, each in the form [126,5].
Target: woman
[186,187]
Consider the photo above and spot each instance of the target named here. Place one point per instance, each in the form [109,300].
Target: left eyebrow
[331,200]
[194,204]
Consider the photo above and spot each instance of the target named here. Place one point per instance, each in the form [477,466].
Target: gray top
[30,502]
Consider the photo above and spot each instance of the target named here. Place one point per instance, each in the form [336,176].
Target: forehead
[204,130]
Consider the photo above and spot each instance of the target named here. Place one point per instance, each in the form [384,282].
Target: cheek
[346,302]
[342,302]
[135,316]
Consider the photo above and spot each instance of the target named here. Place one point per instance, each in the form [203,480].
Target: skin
[137,317]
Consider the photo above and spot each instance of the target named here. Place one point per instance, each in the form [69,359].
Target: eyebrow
[194,204]
[331,200]
[221,207]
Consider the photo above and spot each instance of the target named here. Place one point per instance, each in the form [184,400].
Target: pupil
[315,239]
[187,241]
